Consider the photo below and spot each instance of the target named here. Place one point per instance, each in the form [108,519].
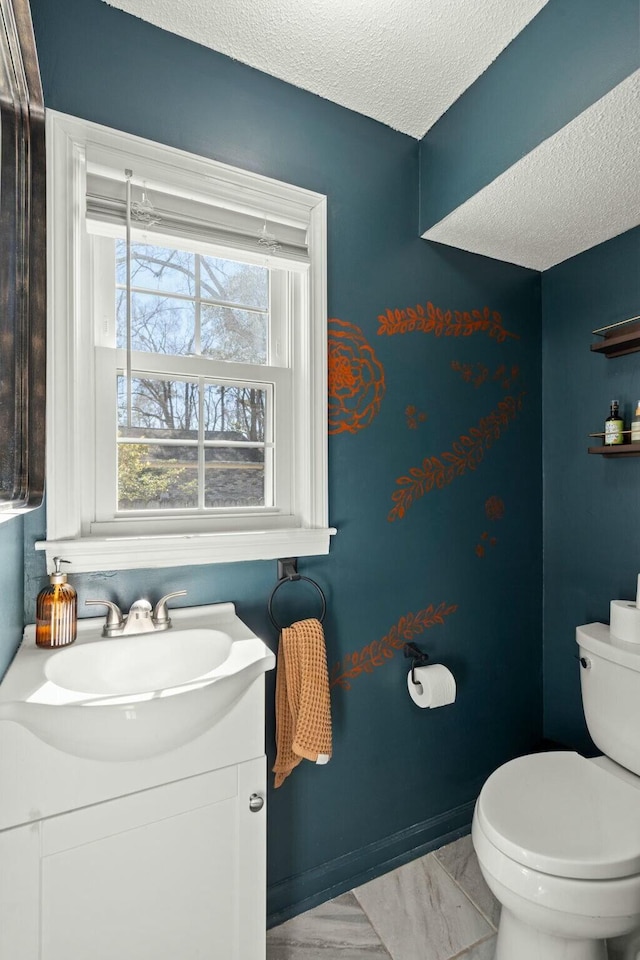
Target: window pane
[229,334]
[165,409]
[157,268]
[234,413]
[234,282]
[157,477]
[158,324]
[234,477]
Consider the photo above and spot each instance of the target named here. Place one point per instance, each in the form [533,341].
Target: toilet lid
[563,815]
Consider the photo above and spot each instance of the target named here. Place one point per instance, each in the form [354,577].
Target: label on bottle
[613,432]
[635,431]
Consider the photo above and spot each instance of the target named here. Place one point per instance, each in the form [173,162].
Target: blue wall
[11,596]
[400,777]
[570,55]
[592,503]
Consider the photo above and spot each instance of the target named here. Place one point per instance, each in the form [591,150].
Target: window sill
[92,554]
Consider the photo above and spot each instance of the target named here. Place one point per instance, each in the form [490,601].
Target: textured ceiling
[402,62]
[575,190]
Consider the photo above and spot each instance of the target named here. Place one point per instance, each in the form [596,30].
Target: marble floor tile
[485,950]
[420,912]
[460,861]
[338,928]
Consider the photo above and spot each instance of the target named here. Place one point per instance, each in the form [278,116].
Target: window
[187,369]
[197,402]
[193,442]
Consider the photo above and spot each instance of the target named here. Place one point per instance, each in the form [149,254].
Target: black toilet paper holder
[418,658]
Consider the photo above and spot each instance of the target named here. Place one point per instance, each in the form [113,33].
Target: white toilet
[558,836]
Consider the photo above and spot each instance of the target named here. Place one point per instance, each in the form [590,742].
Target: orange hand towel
[303,706]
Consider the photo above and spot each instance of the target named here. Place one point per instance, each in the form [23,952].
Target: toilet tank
[610,682]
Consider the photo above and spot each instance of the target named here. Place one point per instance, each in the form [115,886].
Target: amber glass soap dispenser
[56,610]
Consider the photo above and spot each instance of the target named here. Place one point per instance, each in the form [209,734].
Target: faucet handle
[161,618]
[114,621]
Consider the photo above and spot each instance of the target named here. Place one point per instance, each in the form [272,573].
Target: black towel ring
[297,576]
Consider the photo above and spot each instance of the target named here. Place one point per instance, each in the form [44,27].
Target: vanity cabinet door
[173,873]
[19,880]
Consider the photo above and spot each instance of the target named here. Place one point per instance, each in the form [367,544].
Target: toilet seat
[606,899]
[562,815]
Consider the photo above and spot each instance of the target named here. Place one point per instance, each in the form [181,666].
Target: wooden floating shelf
[619,339]
[617,450]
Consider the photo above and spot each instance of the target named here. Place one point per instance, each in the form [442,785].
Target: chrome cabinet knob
[256,802]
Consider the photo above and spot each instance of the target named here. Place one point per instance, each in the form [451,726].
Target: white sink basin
[134,697]
[139,664]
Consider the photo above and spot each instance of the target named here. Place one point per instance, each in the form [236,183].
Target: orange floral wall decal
[378,652]
[444,323]
[469,375]
[506,376]
[414,416]
[485,540]
[478,373]
[356,379]
[465,454]
[494,508]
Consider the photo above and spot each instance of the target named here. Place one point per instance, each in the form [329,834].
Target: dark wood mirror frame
[22,264]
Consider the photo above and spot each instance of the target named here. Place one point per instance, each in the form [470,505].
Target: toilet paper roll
[625,620]
[436,686]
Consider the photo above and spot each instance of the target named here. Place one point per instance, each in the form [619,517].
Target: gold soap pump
[56,610]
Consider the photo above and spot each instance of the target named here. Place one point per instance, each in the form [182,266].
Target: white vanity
[133,820]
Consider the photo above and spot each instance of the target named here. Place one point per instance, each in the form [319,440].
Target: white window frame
[71,431]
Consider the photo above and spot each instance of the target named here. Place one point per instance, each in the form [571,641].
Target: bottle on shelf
[635,425]
[613,426]
[56,610]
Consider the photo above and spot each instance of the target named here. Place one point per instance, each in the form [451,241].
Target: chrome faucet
[142,618]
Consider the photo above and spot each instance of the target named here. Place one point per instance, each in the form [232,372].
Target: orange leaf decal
[494,508]
[378,652]
[447,322]
[465,454]
[414,416]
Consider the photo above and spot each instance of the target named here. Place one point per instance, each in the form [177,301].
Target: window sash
[102,265]
[275,381]
[201,445]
